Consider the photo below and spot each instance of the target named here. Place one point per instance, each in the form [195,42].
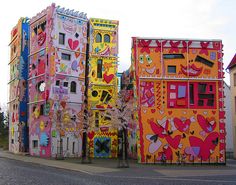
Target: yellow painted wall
[102,91]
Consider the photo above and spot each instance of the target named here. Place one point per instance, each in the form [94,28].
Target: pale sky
[191,19]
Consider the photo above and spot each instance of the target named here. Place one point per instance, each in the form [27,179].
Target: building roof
[232,63]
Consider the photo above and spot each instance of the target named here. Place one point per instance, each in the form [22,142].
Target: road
[14,172]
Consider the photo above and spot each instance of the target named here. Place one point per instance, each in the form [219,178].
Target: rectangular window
[73,148]
[206,96]
[65,56]
[201,88]
[41,109]
[191,90]
[65,84]
[12,141]
[99,68]
[97,119]
[67,143]
[234,79]
[58,83]
[202,95]
[200,102]
[61,38]
[47,59]
[210,102]
[235,103]
[211,88]
[35,143]
[173,56]
[172,69]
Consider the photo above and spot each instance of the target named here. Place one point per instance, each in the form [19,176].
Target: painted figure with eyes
[148,64]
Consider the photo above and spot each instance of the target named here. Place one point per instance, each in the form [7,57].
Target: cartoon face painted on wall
[205,59]
[70,33]
[194,59]
[104,36]
[149,61]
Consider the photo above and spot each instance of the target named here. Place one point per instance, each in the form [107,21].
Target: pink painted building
[58,38]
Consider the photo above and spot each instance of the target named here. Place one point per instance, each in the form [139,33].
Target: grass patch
[4,142]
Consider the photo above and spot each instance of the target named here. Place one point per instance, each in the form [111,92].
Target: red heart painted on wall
[194,111]
[169,112]
[73,44]
[153,110]
[207,124]
[108,78]
[214,112]
[91,135]
[174,142]
[182,126]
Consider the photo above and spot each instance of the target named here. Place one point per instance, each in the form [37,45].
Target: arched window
[73,87]
[107,38]
[98,37]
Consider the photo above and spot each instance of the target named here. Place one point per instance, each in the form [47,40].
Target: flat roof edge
[168,38]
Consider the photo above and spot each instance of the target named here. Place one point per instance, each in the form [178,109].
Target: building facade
[18,88]
[102,85]
[179,100]
[58,39]
[228,121]
[232,70]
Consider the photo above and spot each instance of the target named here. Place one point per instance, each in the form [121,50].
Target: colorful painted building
[179,100]
[232,70]
[58,39]
[18,90]
[102,85]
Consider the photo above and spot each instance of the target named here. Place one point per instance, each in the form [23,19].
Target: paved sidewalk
[109,167]
[63,164]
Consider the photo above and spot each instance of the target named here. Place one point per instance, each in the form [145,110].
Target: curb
[83,168]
